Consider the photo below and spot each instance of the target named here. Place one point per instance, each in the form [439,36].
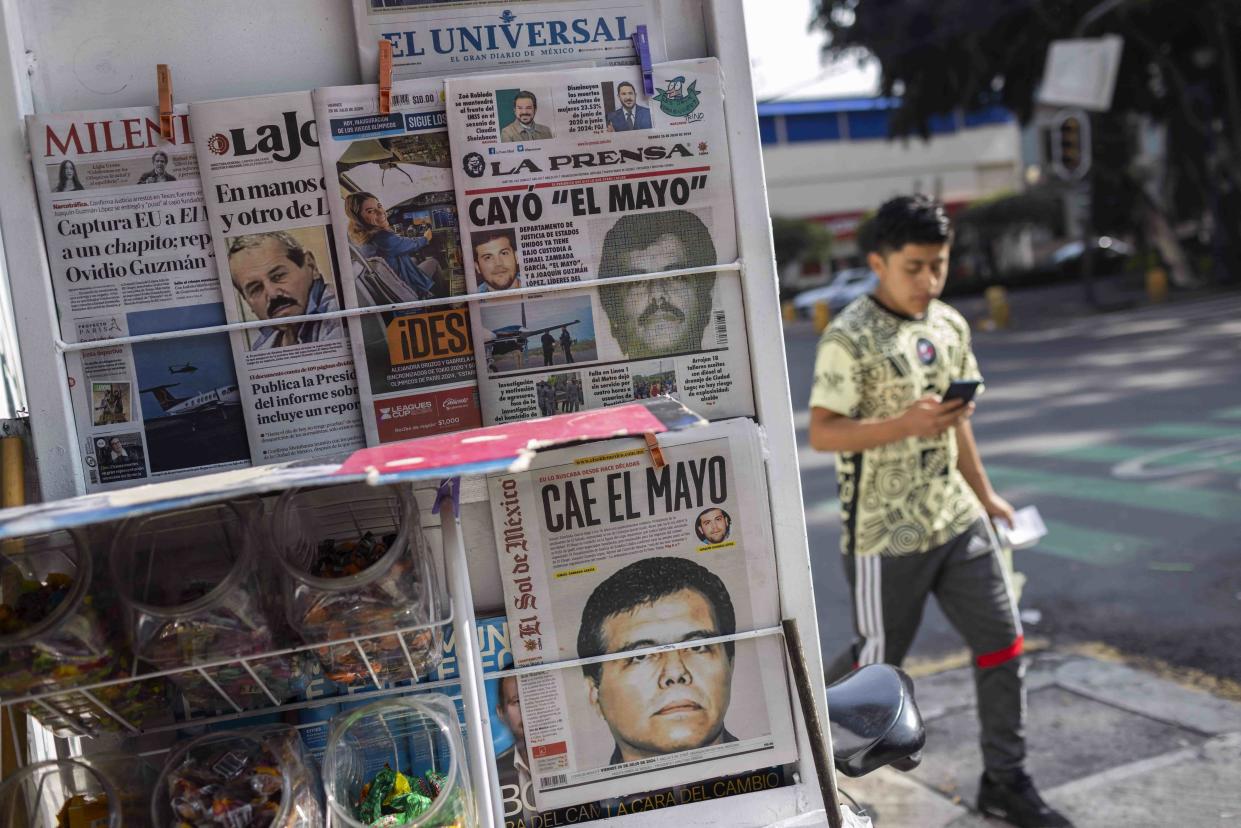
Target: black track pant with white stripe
[972,589]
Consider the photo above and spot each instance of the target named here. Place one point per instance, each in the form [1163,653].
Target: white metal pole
[470,669]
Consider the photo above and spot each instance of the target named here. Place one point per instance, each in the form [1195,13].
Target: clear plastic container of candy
[54,636]
[59,794]
[398,761]
[193,595]
[259,778]
[355,563]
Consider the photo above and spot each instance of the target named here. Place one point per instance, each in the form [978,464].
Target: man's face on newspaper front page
[272,284]
[713,523]
[509,710]
[665,702]
[496,263]
[524,109]
[660,316]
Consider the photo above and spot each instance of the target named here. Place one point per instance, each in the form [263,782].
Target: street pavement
[1124,428]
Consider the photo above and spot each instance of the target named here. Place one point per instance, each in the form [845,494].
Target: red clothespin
[163,80]
[656,450]
[385,77]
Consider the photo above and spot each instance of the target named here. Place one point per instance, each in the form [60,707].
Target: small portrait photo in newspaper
[713,526]
[64,177]
[497,265]
[285,273]
[624,112]
[120,457]
[158,173]
[517,113]
[657,317]
[668,702]
[111,403]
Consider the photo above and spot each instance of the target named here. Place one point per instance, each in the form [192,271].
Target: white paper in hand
[1027,528]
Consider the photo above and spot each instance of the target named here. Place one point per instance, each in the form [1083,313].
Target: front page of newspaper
[389,180]
[130,253]
[267,201]
[572,176]
[435,38]
[601,552]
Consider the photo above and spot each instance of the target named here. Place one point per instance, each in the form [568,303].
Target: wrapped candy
[355,564]
[246,779]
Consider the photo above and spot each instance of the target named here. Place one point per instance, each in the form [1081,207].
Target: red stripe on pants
[1000,656]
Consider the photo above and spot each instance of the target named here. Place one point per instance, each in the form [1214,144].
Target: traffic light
[1070,145]
[1070,137]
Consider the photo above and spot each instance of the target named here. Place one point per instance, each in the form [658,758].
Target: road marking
[1165,459]
[1162,498]
[1093,546]
[1187,431]
[1228,414]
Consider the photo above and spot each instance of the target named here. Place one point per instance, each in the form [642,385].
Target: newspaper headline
[454,37]
[267,201]
[130,253]
[567,177]
[602,553]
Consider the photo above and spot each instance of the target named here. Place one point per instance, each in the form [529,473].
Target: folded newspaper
[389,184]
[130,253]
[267,202]
[573,176]
[600,553]
[434,38]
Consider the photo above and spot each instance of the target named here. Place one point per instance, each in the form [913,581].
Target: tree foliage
[1179,67]
[798,240]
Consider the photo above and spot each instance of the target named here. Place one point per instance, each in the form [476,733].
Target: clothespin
[642,45]
[656,450]
[163,80]
[449,492]
[385,77]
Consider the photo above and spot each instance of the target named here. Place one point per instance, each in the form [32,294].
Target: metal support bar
[470,669]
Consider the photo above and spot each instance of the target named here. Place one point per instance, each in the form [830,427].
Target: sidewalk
[1110,746]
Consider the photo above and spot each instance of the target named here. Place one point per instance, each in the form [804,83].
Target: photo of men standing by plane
[529,335]
[188,396]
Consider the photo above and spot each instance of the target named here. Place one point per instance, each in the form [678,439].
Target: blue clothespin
[450,488]
[642,45]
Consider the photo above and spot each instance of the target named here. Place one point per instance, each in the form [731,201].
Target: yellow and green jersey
[907,496]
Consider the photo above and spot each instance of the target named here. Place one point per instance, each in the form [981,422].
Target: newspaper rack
[110,66]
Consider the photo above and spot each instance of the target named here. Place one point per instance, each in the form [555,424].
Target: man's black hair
[525,93]
[623,84]
[484,236]
[908,219]
[643,583]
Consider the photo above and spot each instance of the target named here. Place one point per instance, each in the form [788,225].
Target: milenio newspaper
[435,38]
[130,253]
[577,176]
[394,214]
[600,553]
[267,201]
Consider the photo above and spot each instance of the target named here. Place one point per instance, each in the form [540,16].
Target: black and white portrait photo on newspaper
[657,317]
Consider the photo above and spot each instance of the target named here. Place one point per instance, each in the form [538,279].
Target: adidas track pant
[973,591]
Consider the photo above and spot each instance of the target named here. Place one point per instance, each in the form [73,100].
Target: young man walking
[914,496]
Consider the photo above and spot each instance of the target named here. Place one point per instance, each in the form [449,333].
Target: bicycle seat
[875,721]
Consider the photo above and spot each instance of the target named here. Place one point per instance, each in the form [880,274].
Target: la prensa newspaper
[601,553]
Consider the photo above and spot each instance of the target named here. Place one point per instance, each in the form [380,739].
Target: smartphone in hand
[963,390]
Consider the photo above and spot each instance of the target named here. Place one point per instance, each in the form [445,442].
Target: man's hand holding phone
[928,417]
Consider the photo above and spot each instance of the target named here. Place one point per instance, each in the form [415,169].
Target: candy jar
[257,778]
[355,564]
[53,637]
[191,587]
[398,761]
[57,793]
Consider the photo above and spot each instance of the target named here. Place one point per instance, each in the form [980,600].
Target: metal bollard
[1157,284]
[822,316]
[997,306]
